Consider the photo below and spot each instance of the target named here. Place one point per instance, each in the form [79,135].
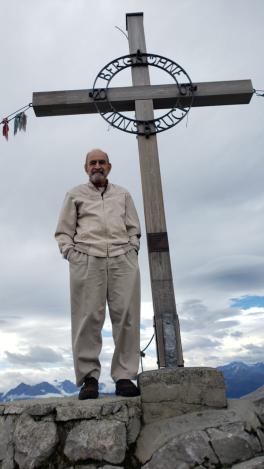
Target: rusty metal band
[158,242]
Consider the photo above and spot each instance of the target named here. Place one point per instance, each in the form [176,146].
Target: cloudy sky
[212,173]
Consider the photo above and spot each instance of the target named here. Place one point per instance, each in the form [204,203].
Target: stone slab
[258,398]
[70,408]
[7,427]
[232,443]
[192,449]
[255,463]
[155,435]
[98,440]
[34,441]
[172,392]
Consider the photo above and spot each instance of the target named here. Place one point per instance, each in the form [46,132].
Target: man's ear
[109,167]
[85,168]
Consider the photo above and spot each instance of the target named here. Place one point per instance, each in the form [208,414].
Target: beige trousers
[93,281]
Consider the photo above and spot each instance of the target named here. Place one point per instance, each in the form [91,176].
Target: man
[98,233]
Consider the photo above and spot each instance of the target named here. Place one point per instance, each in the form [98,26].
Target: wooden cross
[144,98]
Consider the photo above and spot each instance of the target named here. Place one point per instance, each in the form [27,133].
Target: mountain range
[240,379]
[43,389]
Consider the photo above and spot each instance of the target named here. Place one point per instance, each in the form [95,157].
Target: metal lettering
[125,125]
[170,117]
[172,113]
[112,119]
[109,69]
[147,127]
[104,76]
[117,65]
[175,70]
[158,124]
[162,60]
[151,59]
[99,94]
[170,65]
[128,61]
[186,88]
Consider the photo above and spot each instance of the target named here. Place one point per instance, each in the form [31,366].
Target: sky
[211,166]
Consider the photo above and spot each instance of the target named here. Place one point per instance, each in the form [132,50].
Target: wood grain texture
[166,320]
[219,93]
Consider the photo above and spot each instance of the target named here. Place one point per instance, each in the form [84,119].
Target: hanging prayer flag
[23,121]
[20,122]
[16,123]
[5,128]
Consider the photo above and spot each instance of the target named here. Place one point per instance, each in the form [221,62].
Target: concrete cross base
[171,392]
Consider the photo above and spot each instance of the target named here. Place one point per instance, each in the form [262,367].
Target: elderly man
[98,233]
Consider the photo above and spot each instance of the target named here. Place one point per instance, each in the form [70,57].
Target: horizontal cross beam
[57,103]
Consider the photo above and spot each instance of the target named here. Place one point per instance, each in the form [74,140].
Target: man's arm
[132,223]
[66,226]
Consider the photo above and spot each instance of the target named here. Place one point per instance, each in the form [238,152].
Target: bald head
[96,151]
[97,166]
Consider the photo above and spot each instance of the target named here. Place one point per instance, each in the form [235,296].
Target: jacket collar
[92,186]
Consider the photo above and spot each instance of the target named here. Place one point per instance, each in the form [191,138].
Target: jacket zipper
[107,251]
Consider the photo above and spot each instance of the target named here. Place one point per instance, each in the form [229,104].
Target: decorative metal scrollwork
[122,122]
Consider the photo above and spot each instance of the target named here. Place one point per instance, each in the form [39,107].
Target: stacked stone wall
[179,422]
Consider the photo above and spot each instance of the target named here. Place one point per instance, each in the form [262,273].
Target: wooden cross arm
[57,103]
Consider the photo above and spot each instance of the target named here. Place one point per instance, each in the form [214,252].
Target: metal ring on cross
[100,94]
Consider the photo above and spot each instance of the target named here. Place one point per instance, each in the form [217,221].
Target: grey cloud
[201,343]
[196,316]
[236,334]
[36,355]
[254,348]
[231,274]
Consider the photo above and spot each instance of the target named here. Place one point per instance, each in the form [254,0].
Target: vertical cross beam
[167,326]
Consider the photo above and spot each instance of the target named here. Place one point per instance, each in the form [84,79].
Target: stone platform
[178,422]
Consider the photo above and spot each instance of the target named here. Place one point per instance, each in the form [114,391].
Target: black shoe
[89,389]
[125,387]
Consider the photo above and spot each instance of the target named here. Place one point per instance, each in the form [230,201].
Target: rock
[38,407]
[256,463]
[177,463]
[134,423]
[133,429]
[95,409]
[86,466]
[34,441]
[188,450]
[260,435]
[257,397]
[6,442]
[112,467]
[99,440]
[232,443]
[156,434]
[170,392]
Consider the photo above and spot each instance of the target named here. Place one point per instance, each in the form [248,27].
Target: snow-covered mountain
[44,389]
[240,379]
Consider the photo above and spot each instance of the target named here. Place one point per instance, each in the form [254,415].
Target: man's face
[97,167]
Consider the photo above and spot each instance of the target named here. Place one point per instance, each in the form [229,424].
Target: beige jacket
[102,225]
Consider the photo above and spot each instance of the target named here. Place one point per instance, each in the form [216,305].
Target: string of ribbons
[259,93]
[20,121]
